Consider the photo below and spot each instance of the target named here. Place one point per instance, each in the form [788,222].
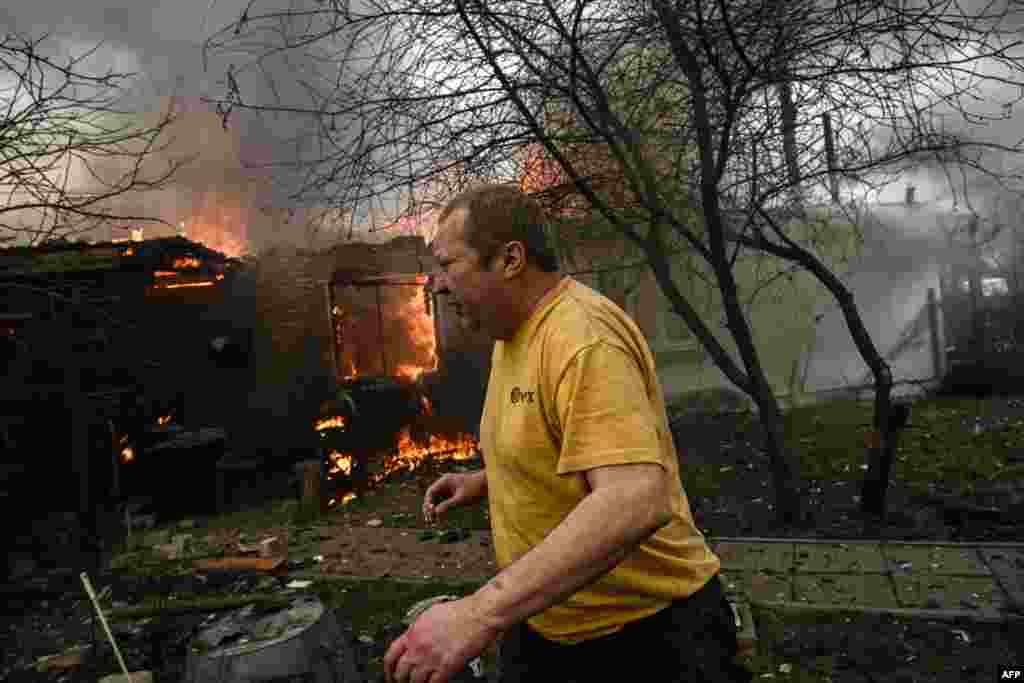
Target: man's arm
[627,504]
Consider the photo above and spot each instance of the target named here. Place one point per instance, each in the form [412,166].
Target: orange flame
[353,372]
[127,455]
[420,328]
[219,222]
[336,422]
[416,328]
[186,262]
[408,456]
[163,420]
[205,283]
[411,455]
[409,372]
[339,463]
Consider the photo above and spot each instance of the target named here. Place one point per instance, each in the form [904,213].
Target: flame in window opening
[406,317]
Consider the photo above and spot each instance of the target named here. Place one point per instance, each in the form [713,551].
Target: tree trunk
[784,463]
[882,443]
[785,466]
[881,450]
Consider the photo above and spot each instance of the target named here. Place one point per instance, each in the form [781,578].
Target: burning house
[345,356]
[411,381]
[101,348]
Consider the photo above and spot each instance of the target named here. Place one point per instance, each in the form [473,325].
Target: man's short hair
[499,214]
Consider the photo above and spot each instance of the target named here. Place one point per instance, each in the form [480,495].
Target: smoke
[228,178]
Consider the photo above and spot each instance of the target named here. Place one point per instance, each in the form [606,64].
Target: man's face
[474,290]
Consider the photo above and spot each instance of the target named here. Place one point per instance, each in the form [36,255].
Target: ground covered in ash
[382,538]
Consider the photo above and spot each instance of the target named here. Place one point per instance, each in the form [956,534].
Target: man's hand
[454,489]
[438,644]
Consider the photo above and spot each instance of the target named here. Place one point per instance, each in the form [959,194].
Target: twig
[103,620]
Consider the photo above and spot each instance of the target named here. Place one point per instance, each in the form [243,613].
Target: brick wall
[292,316]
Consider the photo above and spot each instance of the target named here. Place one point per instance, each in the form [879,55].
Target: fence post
[938,353]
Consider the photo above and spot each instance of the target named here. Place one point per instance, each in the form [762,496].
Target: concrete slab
[943,591]
[1007,565]
[773,558]
[950,615]
[914,559]
[839,557]
[846,590]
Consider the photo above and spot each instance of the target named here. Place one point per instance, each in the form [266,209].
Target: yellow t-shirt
[576,388]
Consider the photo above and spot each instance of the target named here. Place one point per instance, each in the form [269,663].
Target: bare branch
[67,149]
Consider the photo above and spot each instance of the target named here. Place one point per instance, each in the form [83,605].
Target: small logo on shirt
[517,395]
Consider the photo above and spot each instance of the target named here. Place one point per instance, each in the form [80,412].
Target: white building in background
[803,340]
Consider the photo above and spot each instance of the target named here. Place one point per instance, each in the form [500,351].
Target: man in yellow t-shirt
[603,573]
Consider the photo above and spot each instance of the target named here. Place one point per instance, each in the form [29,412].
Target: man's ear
[521,251]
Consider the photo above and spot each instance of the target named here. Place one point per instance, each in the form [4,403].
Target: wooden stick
[106,627]
[262,564]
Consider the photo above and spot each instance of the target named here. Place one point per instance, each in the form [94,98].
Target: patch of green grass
[253,519]
[374,604]
[830,439]
[375,608]
[702,480]
[475,516]
[937,448]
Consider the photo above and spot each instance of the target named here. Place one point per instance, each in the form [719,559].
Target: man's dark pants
[691,640]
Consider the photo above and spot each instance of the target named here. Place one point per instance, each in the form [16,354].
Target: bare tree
[723,129]
[68,151]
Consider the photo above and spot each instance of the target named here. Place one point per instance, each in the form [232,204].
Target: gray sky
[161,38]
[161,41]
